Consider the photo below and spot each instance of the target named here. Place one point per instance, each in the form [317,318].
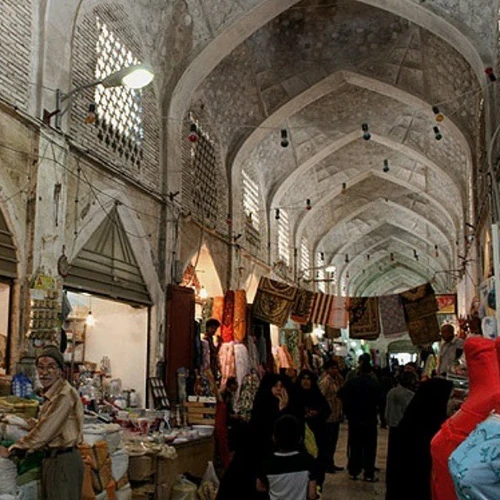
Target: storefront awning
[106,265]
[8,257]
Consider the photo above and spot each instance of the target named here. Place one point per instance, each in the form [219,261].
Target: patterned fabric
[475,464]
[321,308]
[253,353]
[227,362]
[218,311]
[302,306]
[339,312]
[249,389]
[241,360]
[363,318]
[424,331]
[240,312]
[273,301]
[227,327]
[392,315]
[282,358]
[206,312]
[419,302]
[290,338]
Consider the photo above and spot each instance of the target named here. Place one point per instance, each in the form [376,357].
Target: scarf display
[227,327]
[218,311]
[363,318]
[339,313]
[240,313]
[206,312]
[227,362]
[392,315]
[253,353]
[273,301]
[321,306]
[302,306]
[249,389]
[290,337]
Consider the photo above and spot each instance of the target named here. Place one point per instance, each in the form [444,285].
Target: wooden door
[179,334]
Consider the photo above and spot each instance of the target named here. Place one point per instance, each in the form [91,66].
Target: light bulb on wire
[366,134]
[386,166]
[284,138]
[437,114]
[90,321]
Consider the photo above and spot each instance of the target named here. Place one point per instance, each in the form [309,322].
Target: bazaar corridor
[338,486]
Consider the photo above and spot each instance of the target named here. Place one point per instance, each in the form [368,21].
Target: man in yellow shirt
[58,431]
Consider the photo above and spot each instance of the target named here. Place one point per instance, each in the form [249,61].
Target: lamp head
[133,77]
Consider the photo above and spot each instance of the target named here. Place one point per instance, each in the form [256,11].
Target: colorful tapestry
[290,338]
[363,318]
[302,306]
[339,312]
[424,330]
[227,327]
[218,311]
[273,301]
[322,304]
[392,315]
[419,302]
[240,312]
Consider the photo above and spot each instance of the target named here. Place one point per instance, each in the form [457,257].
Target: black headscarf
[312,398]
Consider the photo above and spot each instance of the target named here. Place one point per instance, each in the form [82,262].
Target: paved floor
[338,486]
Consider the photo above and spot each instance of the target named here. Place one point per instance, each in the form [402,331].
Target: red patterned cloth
[218,311]
[240,312]
[302,306]
[484,397]
[321,307]
[339,312]
[227,327]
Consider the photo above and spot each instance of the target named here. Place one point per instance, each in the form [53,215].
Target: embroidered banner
[273,301]
[419,302]
[302,306]
[392,315]
[363,318]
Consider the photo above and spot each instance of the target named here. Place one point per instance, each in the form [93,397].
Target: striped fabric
[321,307]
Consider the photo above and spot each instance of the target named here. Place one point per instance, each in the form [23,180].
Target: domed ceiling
[389,210]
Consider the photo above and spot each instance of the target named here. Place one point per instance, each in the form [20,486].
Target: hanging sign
[447,303]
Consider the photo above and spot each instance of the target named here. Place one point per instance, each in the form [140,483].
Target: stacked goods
[201,410]
[24,408]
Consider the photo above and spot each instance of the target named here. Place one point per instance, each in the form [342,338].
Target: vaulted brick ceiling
[320,70]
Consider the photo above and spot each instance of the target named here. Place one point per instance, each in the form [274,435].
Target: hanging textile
[218,311]
[227,362]
[339,313]
[322,304]
[227,326]
[249,389]
[290,338]
[363,318]
[240,312]
[420,307]
[282,358]
[302,306]
[273,301]
[392,315]
[424,330]
[253,353]
[419,302]
[206,312]
[241,360]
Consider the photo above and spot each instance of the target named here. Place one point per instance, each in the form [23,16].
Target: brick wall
[143,167]
[16,46]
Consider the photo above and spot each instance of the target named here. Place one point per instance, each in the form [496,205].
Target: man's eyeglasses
[47,368]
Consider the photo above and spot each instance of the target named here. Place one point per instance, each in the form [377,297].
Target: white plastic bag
[184,490]
[8,477]
[209,483]
[119,464]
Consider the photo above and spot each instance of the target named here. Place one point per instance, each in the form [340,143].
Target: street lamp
[133,77]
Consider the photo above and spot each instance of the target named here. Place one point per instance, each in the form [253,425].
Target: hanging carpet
[322,304]
[227,327]
[273,301]
[339,315]
[392,315]
[302,306]
[419,302]
[364,318]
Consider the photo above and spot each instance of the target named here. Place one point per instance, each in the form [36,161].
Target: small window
[118,109]
[305,262]
[251,196]
[284,237]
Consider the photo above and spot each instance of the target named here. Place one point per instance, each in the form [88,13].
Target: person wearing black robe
[409,456]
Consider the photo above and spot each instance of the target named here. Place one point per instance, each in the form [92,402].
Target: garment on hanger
[475,464]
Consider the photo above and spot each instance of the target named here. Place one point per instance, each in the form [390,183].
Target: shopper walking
[58,431]
[316,411]
[330,384]
[361,397]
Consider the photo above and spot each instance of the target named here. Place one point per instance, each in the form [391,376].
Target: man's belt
[54,452]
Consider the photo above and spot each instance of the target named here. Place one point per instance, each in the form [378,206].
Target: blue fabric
[475,464]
